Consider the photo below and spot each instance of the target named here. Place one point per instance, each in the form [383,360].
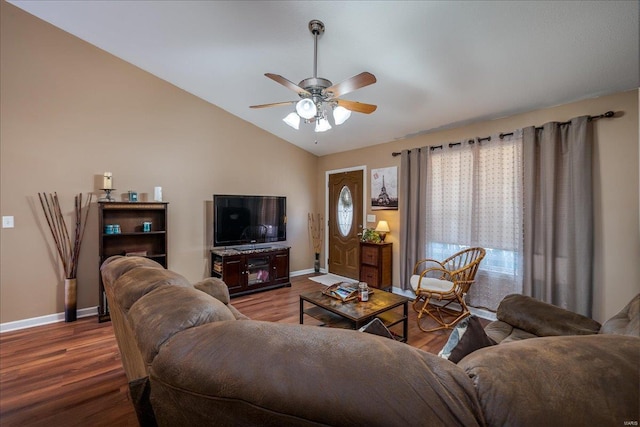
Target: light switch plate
[371,218]
[7,222]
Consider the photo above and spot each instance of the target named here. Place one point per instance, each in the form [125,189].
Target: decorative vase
[316,263]
[70,300]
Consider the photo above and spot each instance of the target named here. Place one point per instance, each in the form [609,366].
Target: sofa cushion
[501,332]
[165,311]
[543,319]
[134,284]
[430,283]
[465,338]
[627,322]
[558,381]
[276,374]
[119,265]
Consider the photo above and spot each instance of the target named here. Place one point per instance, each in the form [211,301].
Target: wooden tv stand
[251,270]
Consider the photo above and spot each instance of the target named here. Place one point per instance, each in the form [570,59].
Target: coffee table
[355,314]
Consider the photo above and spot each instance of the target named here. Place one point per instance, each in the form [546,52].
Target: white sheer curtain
[474,197]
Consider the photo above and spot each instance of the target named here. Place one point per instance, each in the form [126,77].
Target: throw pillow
[467,337]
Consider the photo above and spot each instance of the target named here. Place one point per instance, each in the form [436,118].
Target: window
[474,198]
[345,211]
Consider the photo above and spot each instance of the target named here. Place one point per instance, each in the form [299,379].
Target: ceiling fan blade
[358,107]
[351,84]
[274,104]
[288,84]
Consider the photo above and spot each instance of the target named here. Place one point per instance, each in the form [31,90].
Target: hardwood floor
[63,374]
[70,373]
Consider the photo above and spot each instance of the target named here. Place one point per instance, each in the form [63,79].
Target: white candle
[157,194]
[107,181]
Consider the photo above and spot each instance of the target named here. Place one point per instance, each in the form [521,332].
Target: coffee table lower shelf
[332,320]
[328,318]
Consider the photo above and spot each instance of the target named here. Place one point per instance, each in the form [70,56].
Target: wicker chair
[455,276]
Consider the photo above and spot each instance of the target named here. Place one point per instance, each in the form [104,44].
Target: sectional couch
[192,359]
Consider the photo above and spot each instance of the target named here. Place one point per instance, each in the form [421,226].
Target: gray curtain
[412,207]
[558,215]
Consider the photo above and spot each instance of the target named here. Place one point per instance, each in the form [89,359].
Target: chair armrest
[543,319]
[424,261]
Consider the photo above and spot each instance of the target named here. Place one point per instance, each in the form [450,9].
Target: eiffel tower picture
[383,197]
[384,188]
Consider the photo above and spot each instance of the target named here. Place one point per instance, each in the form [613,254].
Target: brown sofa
[193,359]
[521,317]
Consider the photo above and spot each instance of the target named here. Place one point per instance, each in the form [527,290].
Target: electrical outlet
[7,222]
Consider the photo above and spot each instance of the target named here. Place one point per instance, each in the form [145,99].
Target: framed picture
[384,188]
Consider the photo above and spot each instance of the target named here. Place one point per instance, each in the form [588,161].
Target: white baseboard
[84,312]
[307,271]
[44,320]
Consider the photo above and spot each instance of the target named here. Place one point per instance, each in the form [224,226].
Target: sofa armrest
[220,291]
[543,319]
[558,381]
[214,287]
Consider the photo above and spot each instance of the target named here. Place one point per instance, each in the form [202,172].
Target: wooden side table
[376,264]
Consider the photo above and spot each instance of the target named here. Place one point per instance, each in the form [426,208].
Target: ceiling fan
[318,95]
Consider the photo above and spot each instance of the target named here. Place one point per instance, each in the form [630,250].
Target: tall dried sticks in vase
[316,231]
[68,250]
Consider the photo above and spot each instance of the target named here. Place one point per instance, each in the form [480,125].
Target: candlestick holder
[108,197]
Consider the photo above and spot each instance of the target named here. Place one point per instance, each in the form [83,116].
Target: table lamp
[382,228]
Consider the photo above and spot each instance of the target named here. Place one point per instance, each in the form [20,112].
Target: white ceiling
[438,64]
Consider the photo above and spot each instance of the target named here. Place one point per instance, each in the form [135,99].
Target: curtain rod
[608,114]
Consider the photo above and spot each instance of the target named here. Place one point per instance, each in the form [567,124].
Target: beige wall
[616,175]
[70,112]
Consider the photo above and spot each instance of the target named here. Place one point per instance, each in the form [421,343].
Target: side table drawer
[369,255]
[369,275]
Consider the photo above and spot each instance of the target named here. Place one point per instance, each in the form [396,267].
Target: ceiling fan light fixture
[322,125]
[292,120]
[340,115]
[306,108]
[318,96]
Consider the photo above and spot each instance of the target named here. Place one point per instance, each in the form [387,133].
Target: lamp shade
[382,226]
[322,125]
[340,115]
[292,120]
[306,108]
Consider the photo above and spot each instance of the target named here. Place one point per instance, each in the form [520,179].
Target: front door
[345,222]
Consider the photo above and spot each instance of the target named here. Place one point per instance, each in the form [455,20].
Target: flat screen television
[241,220]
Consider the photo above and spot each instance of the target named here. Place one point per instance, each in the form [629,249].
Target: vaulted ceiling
[438,64]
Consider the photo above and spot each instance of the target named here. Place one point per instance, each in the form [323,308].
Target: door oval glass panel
[345,211]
